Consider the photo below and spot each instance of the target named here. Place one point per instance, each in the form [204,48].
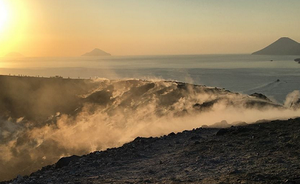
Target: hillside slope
[44,119]
[266,152]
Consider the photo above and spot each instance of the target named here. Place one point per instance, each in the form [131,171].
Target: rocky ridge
[264,152]
[43,119]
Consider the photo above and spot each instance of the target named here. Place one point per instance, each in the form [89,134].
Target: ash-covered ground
[265,152]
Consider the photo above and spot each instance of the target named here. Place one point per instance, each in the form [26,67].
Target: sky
[63,28]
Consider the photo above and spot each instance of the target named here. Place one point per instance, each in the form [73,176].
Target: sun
[3,15]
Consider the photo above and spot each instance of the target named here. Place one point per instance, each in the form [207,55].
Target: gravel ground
[264,152]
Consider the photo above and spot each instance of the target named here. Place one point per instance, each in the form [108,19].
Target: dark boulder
[65,161]
[222,131]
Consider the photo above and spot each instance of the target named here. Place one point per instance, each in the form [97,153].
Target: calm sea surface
[274,76]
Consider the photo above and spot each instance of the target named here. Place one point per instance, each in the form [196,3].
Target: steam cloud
[116,112]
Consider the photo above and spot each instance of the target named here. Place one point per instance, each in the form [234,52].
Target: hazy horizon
[41,28]
[128,55]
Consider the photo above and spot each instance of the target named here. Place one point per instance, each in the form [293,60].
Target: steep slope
[283,46]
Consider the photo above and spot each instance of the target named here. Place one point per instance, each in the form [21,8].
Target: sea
[273,76]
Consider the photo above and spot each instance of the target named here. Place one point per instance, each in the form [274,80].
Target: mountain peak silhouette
[283,46]
[96,52]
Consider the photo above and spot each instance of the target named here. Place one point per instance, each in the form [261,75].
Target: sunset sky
[144,27]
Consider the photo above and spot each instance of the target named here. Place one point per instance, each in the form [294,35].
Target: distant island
[96,52]
[283,46]
[14,54]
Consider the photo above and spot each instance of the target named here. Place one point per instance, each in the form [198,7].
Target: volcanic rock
[259,153]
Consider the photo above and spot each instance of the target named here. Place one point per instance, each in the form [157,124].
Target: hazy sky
[144,27]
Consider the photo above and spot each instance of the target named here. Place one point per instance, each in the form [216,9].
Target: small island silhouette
[97,52]
[283,46]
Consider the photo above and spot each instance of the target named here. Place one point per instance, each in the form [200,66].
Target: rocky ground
[264,152]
